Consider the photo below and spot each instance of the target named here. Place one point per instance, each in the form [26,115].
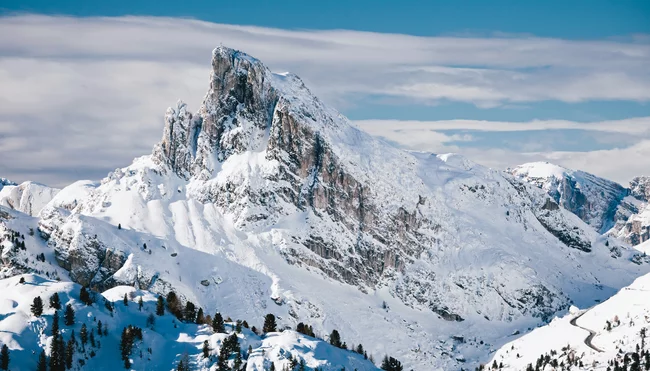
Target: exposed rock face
[640,188]
[597,201]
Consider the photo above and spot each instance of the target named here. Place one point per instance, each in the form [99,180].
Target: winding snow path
[592,334]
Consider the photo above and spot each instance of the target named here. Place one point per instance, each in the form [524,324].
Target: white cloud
[79,96]
[635,125]
[618,164]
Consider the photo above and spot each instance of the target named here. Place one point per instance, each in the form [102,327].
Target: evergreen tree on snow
[4,357]
[69,315]
[69,354]
[391,364]
[206,349]
[83,334]
[37,306]
[335,339]
[217,324]
[84,296]
[200,318]
[190,312]
[160,306]
[55,302]
[42,362]
[269,324]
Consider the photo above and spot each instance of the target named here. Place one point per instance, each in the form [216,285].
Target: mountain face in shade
[605,205]
[265,200]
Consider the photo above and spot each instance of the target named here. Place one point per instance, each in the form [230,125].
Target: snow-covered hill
[592,337]
[268,201]
[165,342]
[28,197]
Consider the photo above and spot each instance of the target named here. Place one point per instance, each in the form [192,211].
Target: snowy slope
[265,200]
[28,197]
[597,201]
[630,306]
[169,339]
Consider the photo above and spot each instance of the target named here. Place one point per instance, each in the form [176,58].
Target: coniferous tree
[126,301]
[55,324]
[140,304]
[69,315]
[4,357]
[238,327]
[99,328]
[335,339]
[189,312]
[151,321]
[92,338]
[42,362]
[360,349]
[200,318]
[119,226]
[160,306]
[391,364]
[174,305]
[269,324]
[55,302]
[69,354]
[184,363]
[217,324]
[126,344]
[83,334]
[37,306]
[222,360]
[238,361]
[206,349]
[85,297]
[57,353]
[108,306]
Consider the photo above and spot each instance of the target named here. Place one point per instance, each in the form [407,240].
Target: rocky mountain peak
[640,188]
[233,117]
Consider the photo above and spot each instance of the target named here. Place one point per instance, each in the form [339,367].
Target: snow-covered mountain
[597,201]
[605,205]
[268,201]
[28,197]
[588,338]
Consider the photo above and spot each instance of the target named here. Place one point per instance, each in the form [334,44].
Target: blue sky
[464,68]
[576,19]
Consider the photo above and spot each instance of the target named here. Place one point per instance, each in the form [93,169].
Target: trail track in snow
[592,333]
